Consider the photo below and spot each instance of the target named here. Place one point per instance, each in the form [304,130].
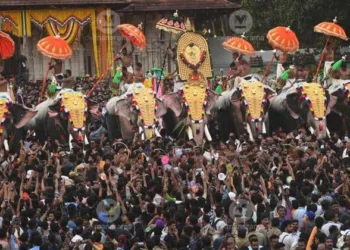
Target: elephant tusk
[249,130]
[70,141]
[328,133]
[156,132]
[6,145]
[140,130]
[207,133]
[311,129]
[190,133]
[86,141]
[263,128]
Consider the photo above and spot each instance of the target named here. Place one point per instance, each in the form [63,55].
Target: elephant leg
[113,127]
[126,128]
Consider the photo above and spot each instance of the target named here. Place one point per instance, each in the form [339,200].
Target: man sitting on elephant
[127,80]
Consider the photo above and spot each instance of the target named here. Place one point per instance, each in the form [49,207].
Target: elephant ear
[93,107]
[212,98]
[123,108]
[336,95]
[173,102]
[293,102]
[21,114]
[270,93]
[54,109]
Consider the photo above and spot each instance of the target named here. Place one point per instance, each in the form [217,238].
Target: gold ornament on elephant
[347,87]
[75,105]
[4,108]
[253,94]
[316,97]
[146,102]
[195,96]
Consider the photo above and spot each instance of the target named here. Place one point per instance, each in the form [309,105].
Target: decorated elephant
[244,109]
[63,118]
[338,111]
[198,102]
[303,103]
[138,108]
[14,117]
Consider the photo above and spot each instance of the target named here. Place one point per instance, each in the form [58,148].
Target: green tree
[301,16]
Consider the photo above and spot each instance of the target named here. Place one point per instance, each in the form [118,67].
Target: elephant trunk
[256,128]
[321,130]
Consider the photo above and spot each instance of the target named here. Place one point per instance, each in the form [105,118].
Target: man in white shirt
[219,223]
[286,237]
[332,220]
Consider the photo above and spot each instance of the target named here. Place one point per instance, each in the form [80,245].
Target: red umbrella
[329,29]
[284,39]
[54,47]
[7,46]
[136,37]
[240,45]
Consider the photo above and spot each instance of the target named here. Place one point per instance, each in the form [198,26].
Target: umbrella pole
[321,59]
[106,71]
[44,81]
[268,68]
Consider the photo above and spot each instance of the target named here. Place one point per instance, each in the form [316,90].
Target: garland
[4,115]
[137,109]
[205,105]
[262,107]
[309,102]
[67,113]
[191,65]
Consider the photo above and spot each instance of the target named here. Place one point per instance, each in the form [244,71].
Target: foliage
[301,16]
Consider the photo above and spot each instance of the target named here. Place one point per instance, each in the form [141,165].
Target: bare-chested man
[244,67]
[126,59]
[139,75]
[127,80]
[282,58]
[231,75]
[57,66]
[344,72]
[301,73]
[3,83]
[328,54]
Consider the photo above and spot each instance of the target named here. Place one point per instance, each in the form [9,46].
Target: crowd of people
[280,192]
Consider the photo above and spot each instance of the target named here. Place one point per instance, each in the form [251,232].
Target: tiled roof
[154,5]
[34,3]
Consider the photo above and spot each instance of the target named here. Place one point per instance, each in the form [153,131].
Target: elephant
[247,104]
[64,117]
[14,118]
[139,108]
[301,103]
[198,102]
[338,111]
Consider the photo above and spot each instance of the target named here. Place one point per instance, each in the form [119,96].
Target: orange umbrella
[240,45]
[54,47]
[7,46]
[329,29]
[284,39]
[133,34]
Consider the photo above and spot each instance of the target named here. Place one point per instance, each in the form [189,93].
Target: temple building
[90,28]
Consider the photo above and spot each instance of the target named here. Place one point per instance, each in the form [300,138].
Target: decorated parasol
[173,25]
[331,29]
[53,47]
[7,46]
[135,36]
[239,45]
[283,39]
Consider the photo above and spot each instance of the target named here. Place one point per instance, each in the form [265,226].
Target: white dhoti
[125,87]
[130,70]
[289,83]
[327,66]
[280,70]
